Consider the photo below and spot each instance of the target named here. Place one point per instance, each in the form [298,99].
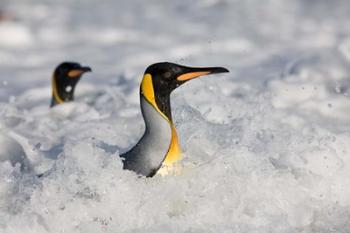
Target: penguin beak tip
[220,70]
[86,69]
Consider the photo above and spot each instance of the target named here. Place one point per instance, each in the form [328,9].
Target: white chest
[148,154]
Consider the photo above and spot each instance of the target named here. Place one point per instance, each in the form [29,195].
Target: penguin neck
[174,151]
[163,105]
[60,93]
[159,145]
[148,118]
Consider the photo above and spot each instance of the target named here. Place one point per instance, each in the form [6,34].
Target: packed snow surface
[266,146]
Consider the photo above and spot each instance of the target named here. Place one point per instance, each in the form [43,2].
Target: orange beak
[76,73]
[197,72]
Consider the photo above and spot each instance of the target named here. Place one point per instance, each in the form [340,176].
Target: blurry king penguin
[158,149]
[65,78]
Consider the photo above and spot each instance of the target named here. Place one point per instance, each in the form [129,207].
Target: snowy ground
[266,146]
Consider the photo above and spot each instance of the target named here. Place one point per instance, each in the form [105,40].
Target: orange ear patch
[191,75]
[147,91]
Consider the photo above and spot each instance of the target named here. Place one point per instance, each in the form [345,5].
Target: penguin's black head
[161,79]
[65,78]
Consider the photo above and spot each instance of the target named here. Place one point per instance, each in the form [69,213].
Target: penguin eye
[167,75]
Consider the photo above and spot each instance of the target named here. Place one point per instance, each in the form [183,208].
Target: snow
[266,146]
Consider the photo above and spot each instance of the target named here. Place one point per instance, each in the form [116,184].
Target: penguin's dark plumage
[159,147]
[65,78]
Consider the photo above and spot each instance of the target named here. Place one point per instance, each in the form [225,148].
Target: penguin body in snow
[159,146]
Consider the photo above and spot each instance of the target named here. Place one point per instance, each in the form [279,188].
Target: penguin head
[161,79]
[65,78]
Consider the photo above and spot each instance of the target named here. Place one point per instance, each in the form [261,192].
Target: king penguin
[65,78]
[158,149]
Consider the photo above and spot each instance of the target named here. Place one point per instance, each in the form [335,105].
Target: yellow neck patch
[147,91]
[170,165]
[174,153]
[55,95]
